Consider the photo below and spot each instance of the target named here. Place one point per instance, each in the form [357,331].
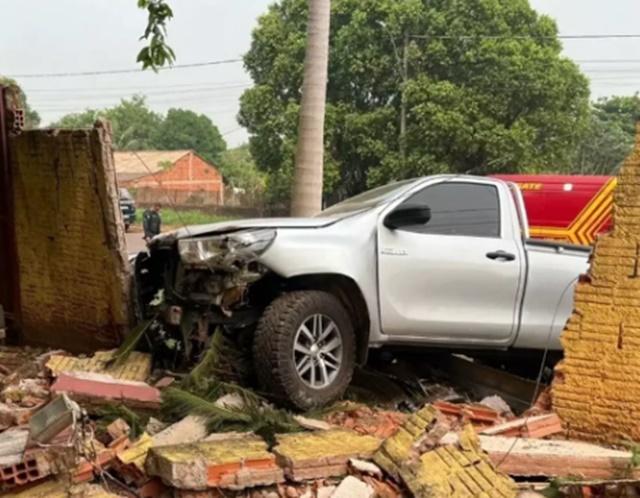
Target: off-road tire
[273,348]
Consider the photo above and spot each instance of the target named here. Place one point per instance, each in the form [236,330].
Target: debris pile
[106,426]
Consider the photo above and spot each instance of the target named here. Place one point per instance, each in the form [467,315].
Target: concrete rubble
[102,434]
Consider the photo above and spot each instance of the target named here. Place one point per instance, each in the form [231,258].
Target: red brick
[34,466]
[477,414]
[538,426]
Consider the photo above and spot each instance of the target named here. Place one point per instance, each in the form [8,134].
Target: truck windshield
[368,199]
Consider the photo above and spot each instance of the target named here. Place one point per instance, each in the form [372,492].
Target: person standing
[151,222]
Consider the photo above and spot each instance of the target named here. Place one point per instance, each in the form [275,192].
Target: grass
[174,218]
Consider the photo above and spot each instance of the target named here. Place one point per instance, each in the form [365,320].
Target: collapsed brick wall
[597,388]
[71,248]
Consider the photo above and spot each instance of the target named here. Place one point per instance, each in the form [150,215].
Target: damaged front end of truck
[273,300]
[190,287]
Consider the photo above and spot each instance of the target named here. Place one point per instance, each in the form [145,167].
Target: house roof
[134,164]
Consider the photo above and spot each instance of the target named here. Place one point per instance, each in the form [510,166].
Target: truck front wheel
[304,349]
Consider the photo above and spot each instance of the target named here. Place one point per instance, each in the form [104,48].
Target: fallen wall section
[597,388]
[71,246]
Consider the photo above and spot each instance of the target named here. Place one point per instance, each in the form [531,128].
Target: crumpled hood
[235,225]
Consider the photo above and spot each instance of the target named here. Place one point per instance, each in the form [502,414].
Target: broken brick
[312,455]
[131,460]
[62,489]
[85,471]
[476,414]
[100,389]
[366,420]
[137,366]
[190,429]
[538,426]
[118,428]
[459,469]
[153,488]
[228,464]
[35,465]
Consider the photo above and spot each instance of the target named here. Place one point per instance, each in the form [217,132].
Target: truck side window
[458,208]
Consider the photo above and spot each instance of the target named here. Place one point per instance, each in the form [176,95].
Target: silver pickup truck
[441,261]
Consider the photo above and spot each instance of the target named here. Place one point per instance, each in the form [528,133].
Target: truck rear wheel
[304,349]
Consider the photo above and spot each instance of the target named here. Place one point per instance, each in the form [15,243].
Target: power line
[124,71]
[105,95]
[607,61]
[141,88]
[439,37]
[527,37]
[231,131]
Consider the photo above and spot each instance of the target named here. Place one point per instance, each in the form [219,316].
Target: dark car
[128,208]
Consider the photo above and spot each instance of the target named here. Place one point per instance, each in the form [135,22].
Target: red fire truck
[569,208]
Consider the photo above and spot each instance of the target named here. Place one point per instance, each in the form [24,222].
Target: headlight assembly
[223,250]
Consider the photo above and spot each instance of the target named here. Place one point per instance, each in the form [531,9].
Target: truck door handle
[501,255]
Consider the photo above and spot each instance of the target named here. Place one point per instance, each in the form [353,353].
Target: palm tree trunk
[307,184]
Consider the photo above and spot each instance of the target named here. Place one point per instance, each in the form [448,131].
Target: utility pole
[403,99]
[402,70]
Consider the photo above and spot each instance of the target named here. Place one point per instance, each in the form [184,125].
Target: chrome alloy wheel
[317,351]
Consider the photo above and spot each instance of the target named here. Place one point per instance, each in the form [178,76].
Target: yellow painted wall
[597,388]
[71,246]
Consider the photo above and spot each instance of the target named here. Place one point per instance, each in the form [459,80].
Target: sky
[43,36]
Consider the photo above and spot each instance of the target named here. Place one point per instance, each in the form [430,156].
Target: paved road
[135,243]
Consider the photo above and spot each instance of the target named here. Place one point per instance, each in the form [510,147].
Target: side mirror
[407,216]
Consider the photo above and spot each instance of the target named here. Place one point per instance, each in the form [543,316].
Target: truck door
[456,277]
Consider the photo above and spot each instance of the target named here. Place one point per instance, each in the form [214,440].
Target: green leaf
[131,342]
[182,403]
[157,53]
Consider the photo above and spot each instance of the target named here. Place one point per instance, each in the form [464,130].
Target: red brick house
[172,176]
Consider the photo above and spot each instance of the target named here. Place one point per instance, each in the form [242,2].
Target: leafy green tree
[240,170]
[31,117]
[134,124]
[84,119]
[622,109]
[184,129]
[486,89]
[610,136]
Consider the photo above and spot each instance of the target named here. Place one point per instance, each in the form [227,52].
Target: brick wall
[170,197]
[190,180]
[71,257]
[597,388]
[190,172]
